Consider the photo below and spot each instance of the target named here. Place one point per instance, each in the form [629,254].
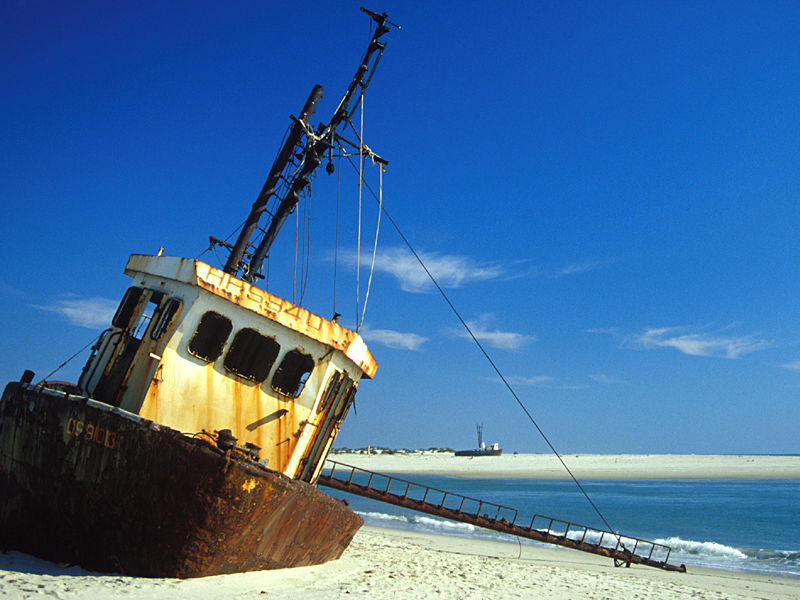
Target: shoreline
[385,563]
[583,466]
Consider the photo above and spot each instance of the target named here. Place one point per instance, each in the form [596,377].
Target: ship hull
[487,452]
[85,483]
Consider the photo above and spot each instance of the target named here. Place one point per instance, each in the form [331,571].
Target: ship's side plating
[194,348]
[82,482]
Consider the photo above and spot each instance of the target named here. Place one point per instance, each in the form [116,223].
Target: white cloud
[534,380]
[577,268]
[450,270]
[503,340]
[792,366]
[92,313]
[700,344]
[394,339]
[544,381]
[612,331]
[605,379]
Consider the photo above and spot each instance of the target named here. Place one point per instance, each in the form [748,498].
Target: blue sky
[606,191]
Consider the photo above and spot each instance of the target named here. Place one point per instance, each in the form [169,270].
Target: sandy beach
[584,466]
[383,563]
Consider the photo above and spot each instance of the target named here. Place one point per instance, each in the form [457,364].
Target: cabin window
[127,307]
[251,355]
[146,317]
[292,374]
[165,317]
[210,336]
[330,391]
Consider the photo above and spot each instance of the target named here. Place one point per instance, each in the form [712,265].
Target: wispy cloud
[503,340]
[394,339]
[92,313]
[450,270]
[455,270]
[534,380]
[577,268]
[542,381]
[606,380]
[792,366]
[700,344]
[612,331]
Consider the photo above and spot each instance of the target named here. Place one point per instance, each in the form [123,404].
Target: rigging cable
[63,364]
[336,234]
[306,247]
[360,186]
[497,370]
[375,245]
[294,270]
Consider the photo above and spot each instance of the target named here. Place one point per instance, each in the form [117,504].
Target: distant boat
[482,449]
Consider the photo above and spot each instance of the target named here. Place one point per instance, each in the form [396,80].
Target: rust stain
[237,405]
[203,512]
[209,391]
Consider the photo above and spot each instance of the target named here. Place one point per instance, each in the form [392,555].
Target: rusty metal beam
[642,552]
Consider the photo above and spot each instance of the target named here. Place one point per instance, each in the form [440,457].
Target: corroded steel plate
[85,483]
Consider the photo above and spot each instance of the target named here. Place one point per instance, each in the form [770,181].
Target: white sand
[584,466]
[383,563]
[396,564]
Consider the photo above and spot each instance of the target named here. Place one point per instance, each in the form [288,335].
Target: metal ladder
[624,550]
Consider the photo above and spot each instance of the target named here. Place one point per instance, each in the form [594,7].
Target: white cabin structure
[197,349]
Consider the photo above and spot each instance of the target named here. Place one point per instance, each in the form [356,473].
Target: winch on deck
[625,550]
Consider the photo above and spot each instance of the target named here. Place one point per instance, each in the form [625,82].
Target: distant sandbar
[583,466]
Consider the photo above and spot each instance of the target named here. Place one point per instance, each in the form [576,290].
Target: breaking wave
[692,552]
[708,549]
[720,556]
[419,523]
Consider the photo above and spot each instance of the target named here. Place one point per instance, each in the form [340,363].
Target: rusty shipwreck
[197,433]
[193,439]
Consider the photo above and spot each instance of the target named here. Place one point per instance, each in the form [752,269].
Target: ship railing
[624,550]
[385,487]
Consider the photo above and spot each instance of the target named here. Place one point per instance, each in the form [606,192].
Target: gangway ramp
[624,550]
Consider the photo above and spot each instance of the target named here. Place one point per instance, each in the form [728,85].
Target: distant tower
[481,445]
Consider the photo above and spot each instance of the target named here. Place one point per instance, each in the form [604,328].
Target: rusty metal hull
[85,483]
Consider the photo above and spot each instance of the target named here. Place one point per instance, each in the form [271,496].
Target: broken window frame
[127,307]
[166,315]
[149,311]
[291,383]
[347,399]
[212,348]
[251,355]
[334,383]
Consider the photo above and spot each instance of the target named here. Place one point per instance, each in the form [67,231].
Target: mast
[309,154]
[260,205]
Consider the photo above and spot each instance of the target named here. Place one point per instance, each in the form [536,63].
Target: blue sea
[750,525]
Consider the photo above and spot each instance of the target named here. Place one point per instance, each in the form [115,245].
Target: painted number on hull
[92,433]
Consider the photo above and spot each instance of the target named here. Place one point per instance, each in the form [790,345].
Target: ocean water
[750,525]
